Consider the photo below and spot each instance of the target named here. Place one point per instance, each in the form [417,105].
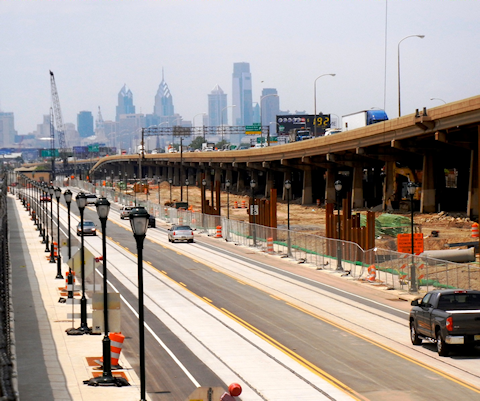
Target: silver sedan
[180,233]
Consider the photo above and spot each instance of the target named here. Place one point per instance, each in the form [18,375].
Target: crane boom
[58,120]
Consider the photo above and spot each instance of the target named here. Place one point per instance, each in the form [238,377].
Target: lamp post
[58,193]
[139,223]
[288,186]
[227,185]
[398,60]
[113,188]
[437,98]
[187,183]
[221,117]
[45,216]
[51,191]
[411,187]
[253,184]
[146,187]
[170,181]
[338,188]
[204,196]
[135,188]
[81,200]
[261,118]
[315,101]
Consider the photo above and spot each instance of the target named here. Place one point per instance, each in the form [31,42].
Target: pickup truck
[446,317]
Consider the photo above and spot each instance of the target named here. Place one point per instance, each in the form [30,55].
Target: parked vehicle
[446,317]
[152,222]
[45,198]
[91,199]
[363,118]
[180,233]
[125,212]
[89,228]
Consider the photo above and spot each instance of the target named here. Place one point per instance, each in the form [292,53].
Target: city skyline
[92,54]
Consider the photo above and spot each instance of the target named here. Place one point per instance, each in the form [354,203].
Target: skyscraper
[125,103]
[242,94]
[7,129]
[85,124]
[163,100]
[217,111]
[270,105]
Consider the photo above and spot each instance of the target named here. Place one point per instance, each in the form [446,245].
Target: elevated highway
[429,143]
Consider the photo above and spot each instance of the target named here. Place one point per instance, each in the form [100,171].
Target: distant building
[270,104]
[242,94]
[125,103]
[7,129]
[85,124]
[163,107]
[217,107]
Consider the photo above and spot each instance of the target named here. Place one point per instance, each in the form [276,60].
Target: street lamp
[113,188]
[51,191]
[135,188]
[315,102]
[437,98]
[139,223]
[170,181]
[58,193]
[411,187]
[288,186]
[81,200]
[227,185]
[398,60]
[261,119]
[221,117]
[45,216]
[158,189]
[186,184]
[204,196]
[253,184]
[338,188]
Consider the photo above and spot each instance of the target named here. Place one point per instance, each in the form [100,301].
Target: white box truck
[363,118]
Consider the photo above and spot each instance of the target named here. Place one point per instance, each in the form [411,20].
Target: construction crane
[58,121]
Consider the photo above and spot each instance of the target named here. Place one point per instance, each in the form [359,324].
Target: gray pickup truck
[447,317]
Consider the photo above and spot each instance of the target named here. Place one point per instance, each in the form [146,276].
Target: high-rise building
[125,103]
[85,124]
[242,94]
[163,101]
[270,106]
[217,107]
[7,129]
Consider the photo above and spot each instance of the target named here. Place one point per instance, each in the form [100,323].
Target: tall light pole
[45,215]
[261,118]
[221,116]
[81,200]
[338,188]
[58,193]
[68,200]
[170,181]
[411,187]
[204,197]
[139,223]
[135,187]
[253,184]
[398,59]
[51,191]
[315,101]
[227,185]
[437,98]
[186,184]
[288,186]
[113,188]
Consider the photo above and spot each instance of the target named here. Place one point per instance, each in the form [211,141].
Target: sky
[94,47]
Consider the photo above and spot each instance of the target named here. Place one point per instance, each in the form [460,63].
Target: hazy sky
[95,46]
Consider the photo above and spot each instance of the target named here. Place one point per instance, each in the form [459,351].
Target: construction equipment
[404,175]
[58,121]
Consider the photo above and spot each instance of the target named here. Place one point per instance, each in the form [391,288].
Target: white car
[125,212]
[180,233]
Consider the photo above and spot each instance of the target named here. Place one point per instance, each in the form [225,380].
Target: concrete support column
[241,181]
[307,186]
[176,176]
[357,187]
[218,175]
[330,186]
[473,200]
[388,185]
[170,172]
[269,183]
[427,204]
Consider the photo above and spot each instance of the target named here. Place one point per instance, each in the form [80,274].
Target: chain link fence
[376,266]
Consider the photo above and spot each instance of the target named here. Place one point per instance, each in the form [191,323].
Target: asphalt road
[355,344]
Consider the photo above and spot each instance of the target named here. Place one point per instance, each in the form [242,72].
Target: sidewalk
[51,365]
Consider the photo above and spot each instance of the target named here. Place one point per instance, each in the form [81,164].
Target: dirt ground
[452,228]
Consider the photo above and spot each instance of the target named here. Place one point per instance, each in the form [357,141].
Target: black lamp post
[51,191]
[170,181]
[135,188]
[204,184]
[158,188]
[146,187]
[68,200]
[253,184]
[338,188]
[113,188]
[411,187]
[45,217]
[227,185]
[186,184]
[81,200]
[288,186]
[139,223]
[58,193]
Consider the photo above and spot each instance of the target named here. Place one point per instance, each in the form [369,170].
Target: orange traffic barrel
[235,205]
[372,273]
[475,230]
[219,232]
[270,245]
[116,345]
[244,204]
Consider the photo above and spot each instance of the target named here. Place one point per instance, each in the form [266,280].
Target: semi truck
[299,135]
[363,118]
